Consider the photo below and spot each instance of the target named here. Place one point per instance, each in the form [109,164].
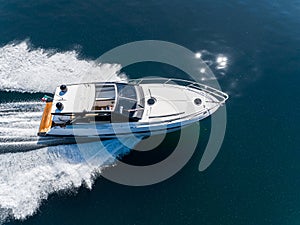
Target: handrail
[219,95]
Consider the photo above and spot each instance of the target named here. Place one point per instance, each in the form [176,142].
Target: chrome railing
[219,95]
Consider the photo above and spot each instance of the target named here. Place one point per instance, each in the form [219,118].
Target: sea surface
[252,47]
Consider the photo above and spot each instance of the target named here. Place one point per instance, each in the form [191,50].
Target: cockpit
[118,101]
[112,102]
[124,99]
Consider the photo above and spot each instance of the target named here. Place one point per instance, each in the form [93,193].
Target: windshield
[130,101]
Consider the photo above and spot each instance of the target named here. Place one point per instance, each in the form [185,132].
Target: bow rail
[219,95]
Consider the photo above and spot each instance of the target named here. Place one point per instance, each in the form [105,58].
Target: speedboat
[141,107]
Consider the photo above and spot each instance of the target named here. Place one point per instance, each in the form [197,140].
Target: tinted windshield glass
[127,99]
[126,91]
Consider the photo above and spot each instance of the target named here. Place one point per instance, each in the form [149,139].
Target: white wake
[38,70]
[28,176]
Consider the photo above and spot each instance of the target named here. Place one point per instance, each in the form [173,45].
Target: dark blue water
[256,177]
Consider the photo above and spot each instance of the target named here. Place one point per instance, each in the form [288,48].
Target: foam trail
[19,122]
[27,177]
[21,64]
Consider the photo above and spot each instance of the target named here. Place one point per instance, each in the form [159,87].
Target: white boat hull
[166,107]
